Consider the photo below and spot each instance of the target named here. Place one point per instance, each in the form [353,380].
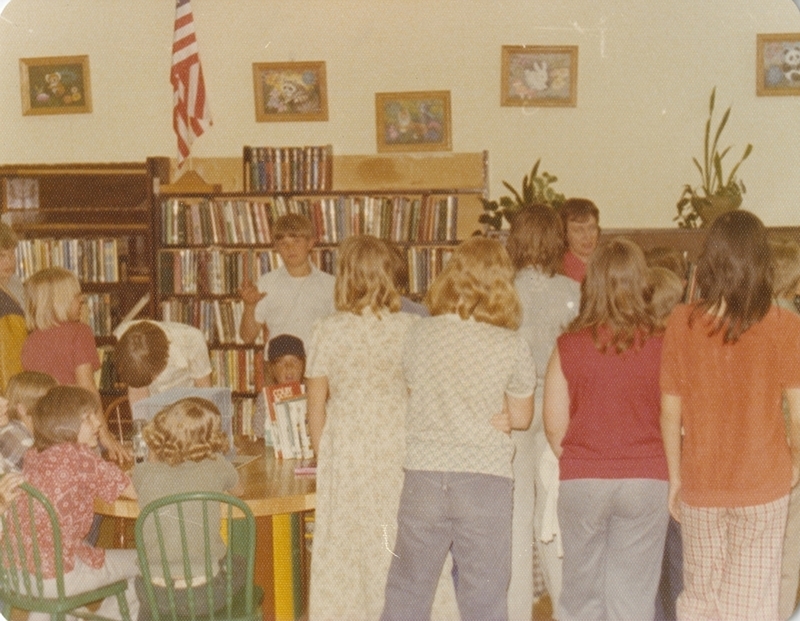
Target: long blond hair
[365,276]
[49,294]
[477,282]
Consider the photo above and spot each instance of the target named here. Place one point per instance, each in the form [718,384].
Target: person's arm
[84,377]
[129,492]
[8,488]
[520,410]
[317,394]
[793,399]
[137,394]
[203,382]
[556,403]
[250,328]
[671,437]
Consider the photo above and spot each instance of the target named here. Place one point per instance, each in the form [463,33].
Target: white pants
[520,588]
[119,565]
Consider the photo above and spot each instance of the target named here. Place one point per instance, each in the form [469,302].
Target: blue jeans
[467,514]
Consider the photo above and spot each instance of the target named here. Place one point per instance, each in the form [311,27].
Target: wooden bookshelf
[95,219]
[208,242]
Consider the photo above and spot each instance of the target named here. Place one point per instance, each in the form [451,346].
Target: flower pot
[712,207]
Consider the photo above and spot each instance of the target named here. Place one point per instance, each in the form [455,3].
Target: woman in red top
[728,358]
[601,417]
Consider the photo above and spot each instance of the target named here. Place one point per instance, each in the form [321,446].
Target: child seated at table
[64,465]
[16,427]
[187,448]
[286,362]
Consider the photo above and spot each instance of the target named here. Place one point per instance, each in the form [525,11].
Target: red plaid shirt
[71,476]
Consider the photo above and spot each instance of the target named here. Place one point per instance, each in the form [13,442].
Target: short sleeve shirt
[458,372]
[59,350]
[188,358]
[294,304]
[71,476]
[734,451]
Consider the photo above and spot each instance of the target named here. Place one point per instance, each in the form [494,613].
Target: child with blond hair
[16,427]
[187,448]
[59,343]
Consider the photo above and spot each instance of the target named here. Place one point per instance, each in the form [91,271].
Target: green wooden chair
[22,589]
[180,522]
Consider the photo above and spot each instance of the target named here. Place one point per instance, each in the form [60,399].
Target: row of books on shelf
[279,169]
[92,260]
[217,319]
[398,218]
[242,369]
[217,271]
[97,311]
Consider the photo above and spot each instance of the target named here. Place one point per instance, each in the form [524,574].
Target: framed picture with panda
[778,64]
[290,91]
[55,85]
[539,75]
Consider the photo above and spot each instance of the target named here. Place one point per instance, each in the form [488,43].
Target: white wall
[645,72]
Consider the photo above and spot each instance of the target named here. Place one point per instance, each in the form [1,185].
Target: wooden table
[278,498]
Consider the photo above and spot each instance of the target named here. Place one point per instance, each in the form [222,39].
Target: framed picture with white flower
[778,64]
[539,75]
[55,85]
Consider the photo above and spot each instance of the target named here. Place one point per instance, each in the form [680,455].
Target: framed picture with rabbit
[539,75]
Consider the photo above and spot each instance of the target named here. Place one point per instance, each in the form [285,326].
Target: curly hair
[187,430]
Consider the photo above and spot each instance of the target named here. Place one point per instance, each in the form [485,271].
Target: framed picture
[290,91]
[55,85]
[778,64]
[539,75]
[413,121]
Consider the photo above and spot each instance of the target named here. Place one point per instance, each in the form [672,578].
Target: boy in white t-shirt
[288,300]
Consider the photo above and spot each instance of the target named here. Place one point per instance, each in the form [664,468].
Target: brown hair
[734,274]
[292,225]
[365,276]
[187,430]
[48,296]
[536,239]
[8,238]
[57,416]
[578,209]
[667,293]
[615,297]
[141,354]
[785,255]
[25,389]
[477,282]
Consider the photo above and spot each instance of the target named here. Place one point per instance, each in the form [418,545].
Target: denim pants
[468,514]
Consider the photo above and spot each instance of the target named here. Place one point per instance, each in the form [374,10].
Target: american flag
[190,113]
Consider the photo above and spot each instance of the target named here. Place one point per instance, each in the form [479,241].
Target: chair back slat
[26,525]
[223,595]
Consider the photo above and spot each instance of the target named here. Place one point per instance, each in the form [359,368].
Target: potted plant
[717,193]
[535,188]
